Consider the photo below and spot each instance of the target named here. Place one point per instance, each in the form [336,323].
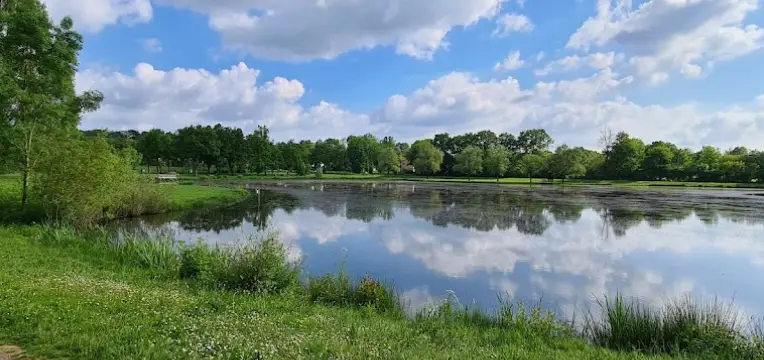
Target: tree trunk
[497,179]
[159,166]
[530,180]
[25,186]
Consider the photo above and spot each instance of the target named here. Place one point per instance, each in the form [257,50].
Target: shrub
[319,172]
[260,267]
[678,327]
[200,263]
[338,290]
[155,253]
[86,180]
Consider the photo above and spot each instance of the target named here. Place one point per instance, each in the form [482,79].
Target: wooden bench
[165,178]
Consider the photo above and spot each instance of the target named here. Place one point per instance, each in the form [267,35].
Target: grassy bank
[67,295]
[181,197]
[506,181]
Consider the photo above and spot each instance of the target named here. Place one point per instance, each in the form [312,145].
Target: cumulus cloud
[669,34]
[574,111]
[596,61]
[512,62]
[179,97]
[153,45]
[93,15]
[510,23]
[298,30]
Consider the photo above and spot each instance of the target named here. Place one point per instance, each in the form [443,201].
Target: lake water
[562,245]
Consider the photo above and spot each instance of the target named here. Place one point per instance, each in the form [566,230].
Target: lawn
[75,301]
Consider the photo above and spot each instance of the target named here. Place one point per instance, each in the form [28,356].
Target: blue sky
[680,70]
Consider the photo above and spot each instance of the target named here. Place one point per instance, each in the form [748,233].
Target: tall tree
[531,165]
[38,102]
[659,157]
[232,146]
[361,152]
[565,163]
[534,141]
[425,157]
[260,150]
[388,160]
[470,161]
[496,161]
[154,145]
[445,144]
[626,157]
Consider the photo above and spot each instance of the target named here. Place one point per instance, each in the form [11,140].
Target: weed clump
[338,290]
[680,327]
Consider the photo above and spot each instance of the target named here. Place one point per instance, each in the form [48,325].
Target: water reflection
[566,244]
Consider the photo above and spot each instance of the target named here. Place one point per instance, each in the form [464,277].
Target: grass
[684,326]
[65,294]
[441,179]
[182,197]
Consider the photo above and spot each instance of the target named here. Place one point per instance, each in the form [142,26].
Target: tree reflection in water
[530,210]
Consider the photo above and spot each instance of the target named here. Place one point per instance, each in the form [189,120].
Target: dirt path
[11,352]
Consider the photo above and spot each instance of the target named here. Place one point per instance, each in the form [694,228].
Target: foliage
[388,160]
[470,161]
[86,180]
[425,157]
[362,153]
[712,330]
[566,162]
[531,165]
[496,161]
[338,290]
[261,266]
[38,103]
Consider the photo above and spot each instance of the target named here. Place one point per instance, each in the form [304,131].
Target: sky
[686,71]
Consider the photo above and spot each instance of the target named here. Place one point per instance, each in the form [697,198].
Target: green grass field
[182,197]
[438,179]
[77,302]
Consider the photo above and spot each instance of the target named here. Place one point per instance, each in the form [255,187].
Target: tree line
[484,153]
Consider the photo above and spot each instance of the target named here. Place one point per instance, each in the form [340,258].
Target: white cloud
[298,30]
[180,97]
[540,56]
[672,34]
[573,111]
[760,100]
[596,61]
[512,62]
[510,23]
[94,15]
[153,45]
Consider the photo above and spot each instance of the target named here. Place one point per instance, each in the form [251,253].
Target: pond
[561,245]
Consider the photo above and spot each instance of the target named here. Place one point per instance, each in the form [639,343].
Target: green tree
[361,152]
[425,157]
[659,157]
[388,160]
[445,144]
[486,139]
[330,152]
[531,165]
[470,161]
[533,141]
[496,161]
[38,103]
[154,145]
[626,157]
[233,147]
[189,146]
[260,150]
[706,163]
[566,163]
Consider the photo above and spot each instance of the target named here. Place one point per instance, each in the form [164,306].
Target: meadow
[85,295]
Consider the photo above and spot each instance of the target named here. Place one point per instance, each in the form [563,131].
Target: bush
[87,180]
[262,267]
[200,263]
[338,290]
[155,253]
[319,172]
